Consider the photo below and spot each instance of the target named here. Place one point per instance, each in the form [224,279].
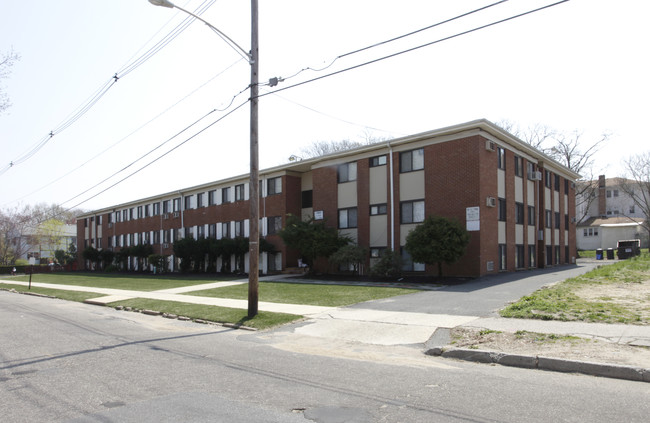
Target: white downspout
[392,194]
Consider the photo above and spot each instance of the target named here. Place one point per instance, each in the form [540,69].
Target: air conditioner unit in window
[165,245]
[491,202]
[110,225]
[574,219]
[166,216]
[176,214]
[535,175]
[490,146]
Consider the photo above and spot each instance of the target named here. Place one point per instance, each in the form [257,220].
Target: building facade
[607,214]
[517,204]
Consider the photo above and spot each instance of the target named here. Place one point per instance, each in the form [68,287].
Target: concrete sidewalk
[393,328]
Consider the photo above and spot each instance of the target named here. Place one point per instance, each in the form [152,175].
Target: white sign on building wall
[473,218]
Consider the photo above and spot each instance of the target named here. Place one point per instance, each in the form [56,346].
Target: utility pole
[254,235]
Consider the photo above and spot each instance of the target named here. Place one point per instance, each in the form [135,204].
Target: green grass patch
[484,332]
[263,320]
[117,281]
[309,294]
[78,296]
[546,337]
[560,302]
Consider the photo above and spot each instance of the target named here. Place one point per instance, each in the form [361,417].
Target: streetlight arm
[227,39]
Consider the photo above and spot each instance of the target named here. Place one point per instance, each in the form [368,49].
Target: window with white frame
[176,205]
[378,161]
[188,202]
[239,228]
[225,230]
[347,172]
[212,197]
[410,161]
[501,158]
[225,195]
[412,211]
[199,200]
[408,265]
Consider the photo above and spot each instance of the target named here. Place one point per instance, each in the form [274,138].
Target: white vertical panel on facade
[219,231]
[501,183]
[264,226]
[556,201]
[530,193]
[547,236]
[531,235]
[218,197]
[519,234]
[378,189]
[502,232]
[347,195]
[411,186]
[519,189]
[247,227]
[379,231]
[247,194]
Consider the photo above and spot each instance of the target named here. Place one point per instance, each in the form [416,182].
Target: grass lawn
[119,281]
[615,293]
[309,294]
[78,296]
[263,320]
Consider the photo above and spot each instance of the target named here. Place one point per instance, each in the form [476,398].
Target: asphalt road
[69,362]
[482,297]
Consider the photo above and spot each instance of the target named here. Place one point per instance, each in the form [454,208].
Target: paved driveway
[482,297]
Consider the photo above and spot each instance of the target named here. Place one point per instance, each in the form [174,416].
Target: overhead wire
[101,92]
[475,29]
[399,53]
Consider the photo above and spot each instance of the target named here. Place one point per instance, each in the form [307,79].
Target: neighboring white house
[41,244]
[608,215]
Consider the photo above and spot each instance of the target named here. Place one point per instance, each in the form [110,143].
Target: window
[199,200]
[549,219]
[140,212]
[177,205]
[519,257]
[503,214]
[531,215]
[132,213]
[146,210]
[549,255]
[377,161]
[632,210]
[188,202]
[501,158]
[225,195]
[519,168]
[118,216]
[615,193]
[211,200]
[274,186]
[503,257]
[547,179]
[348,218]
[608,194]
[156,237]
[274,224]
[200,232]
[307,199]
[347,172]
[556,182]
[239,228]
[240,193]
[225,230]
[377,252]
[166,206]
[212,230]
[566,221]
[155,209]
[410,161]
[125,215]
[531,255]
[557,220]
[378,209]
[566,186]
[412,212]
[409,265]
[519,213]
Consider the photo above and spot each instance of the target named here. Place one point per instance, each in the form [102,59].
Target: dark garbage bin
[599,253]
[610,254]
[629,248]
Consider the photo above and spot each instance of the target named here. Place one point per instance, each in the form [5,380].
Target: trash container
[610,254]
[599,253]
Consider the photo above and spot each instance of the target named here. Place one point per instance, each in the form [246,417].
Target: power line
[475,29]
[94,98]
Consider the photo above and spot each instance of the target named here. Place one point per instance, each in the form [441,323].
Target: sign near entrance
[473,218]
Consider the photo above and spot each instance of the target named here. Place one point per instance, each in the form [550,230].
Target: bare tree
[7,60]
[569,149]
[323,148]
[637,184]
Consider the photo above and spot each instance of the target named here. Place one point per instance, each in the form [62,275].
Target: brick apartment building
[517,203]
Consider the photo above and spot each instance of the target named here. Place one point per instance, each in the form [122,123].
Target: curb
[613,371]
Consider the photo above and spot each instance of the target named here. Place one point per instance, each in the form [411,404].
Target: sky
[581,65]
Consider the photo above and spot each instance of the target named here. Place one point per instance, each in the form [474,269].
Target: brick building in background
[517,203]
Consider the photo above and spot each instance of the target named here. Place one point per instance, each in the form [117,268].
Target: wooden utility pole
[254,235]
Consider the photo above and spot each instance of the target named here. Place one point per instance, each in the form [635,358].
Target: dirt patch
[549,345]
[634,297]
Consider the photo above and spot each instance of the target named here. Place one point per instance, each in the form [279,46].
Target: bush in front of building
[389,265]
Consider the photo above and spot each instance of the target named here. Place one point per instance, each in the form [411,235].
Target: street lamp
[253,60]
